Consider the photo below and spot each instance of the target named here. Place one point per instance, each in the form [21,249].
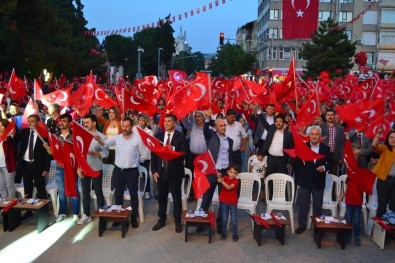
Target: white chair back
[247,186]
[342,182]
[185,190]
[52,173]
[373,201]
[279,187]
[107,174]
[331,181]
[141,188]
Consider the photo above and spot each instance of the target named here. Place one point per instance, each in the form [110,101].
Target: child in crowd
[228,198]
[353,198]
[258,165]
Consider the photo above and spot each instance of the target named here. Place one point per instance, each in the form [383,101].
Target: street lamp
[159,71]
[139,50]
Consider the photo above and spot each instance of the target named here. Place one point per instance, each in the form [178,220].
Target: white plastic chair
[52,187]
[331,181]
[140,192]
[371,205]
[20,188]
[246,201]
[278,201]
[185,190]
[107,193]
[343,188]
[214,200]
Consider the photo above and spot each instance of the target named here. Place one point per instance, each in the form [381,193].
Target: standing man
[220,147]
[53,121]
[128,150]
[95,156]
[334,138]
[276,141]
[262,123]
[312,177]
[63,134]
[34,161]
[169,174]
[236,132]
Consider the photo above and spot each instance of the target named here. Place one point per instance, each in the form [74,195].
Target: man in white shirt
[128,148]
[236,132]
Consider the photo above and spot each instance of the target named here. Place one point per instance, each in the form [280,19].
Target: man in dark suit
[34,160]
[169,174]
[277,140]
[221,148]
[262,122]
[312,177]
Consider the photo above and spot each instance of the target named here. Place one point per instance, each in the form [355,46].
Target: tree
[232,60]
[329,50]
[188,62]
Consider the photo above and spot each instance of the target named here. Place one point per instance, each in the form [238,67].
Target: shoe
[115,224]
[84,219]
[223,237]
[135,223]
[357,242]
[235,238]
[219,228]
[300,230]
[26,215]
[147,196]
[200,229]
[158,225]
[76,218]
[101,210]
[178,227]
[60,218]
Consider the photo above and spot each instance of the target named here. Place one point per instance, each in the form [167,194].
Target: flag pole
[123,101]
[294,78]
[34,89]
[209,89]
[9,81]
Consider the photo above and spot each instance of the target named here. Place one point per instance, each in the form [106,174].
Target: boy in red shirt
[353,198]
[228,198]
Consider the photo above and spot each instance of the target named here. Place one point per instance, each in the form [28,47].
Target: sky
[202,30]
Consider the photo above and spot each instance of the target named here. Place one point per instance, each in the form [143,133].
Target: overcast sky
[202,29]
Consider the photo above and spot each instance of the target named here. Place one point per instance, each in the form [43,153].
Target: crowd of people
[230,136]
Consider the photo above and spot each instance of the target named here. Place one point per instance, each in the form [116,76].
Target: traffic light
[221,38]
[270,73]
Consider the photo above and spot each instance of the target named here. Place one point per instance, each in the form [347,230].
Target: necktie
[31,144]
[165,163]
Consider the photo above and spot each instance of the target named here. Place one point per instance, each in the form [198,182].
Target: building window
[369,38]
[323,15]
[370,59]
[346,1]
[388,17]
[273,33]
[345,16]
[273,14]
[387,37]
[274,53]
[325,1]
[370,18]
[285,53]
[349,34]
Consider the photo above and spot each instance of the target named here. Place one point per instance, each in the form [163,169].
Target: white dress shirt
[276,148]
[127,151]
[235,131]
[26,155]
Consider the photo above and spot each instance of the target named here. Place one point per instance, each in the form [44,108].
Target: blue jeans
[353,216]
[226,209]
[75,201]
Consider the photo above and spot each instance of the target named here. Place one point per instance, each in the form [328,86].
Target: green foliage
[330,50]
[232,60]
[188,62]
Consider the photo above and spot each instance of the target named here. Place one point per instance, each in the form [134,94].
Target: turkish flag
[257,93]
[358,115]
[132,101]
[8,131]
[200,184]
[204,163]
[383,121]
[177,75]
[156,146]
[82,98]
[60,97]
[146,85]
[16,87]
[309,111]
[9,206]
[82,139]
[219,86]
[56,149]
[42,129]
[184,100]
[70,169]
[300,18]
[301,150]
[102,98]
[363,176]
[29,110]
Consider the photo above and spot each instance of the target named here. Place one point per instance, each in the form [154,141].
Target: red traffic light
[221,38]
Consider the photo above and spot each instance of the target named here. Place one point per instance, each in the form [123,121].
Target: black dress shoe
[26,215]
[158,225]
[300,230]
[116,224]
[135,223]
[178,227]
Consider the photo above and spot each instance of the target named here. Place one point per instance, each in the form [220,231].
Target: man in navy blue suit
[312,175]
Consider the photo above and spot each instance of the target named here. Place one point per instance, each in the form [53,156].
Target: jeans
[86,192]
[226,209]
[75,201]
[353,216]
[7,180]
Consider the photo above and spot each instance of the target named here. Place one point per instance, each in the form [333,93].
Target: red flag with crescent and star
[10,130]
[56,150]
[156,147]
[16,87]
[300,18]
[82,139]
[204,165]
[70,169]
[309,111]
[60,97]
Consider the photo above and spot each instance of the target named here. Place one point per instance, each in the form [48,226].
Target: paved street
[66,242]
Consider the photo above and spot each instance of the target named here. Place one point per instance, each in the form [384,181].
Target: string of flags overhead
[162,22]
